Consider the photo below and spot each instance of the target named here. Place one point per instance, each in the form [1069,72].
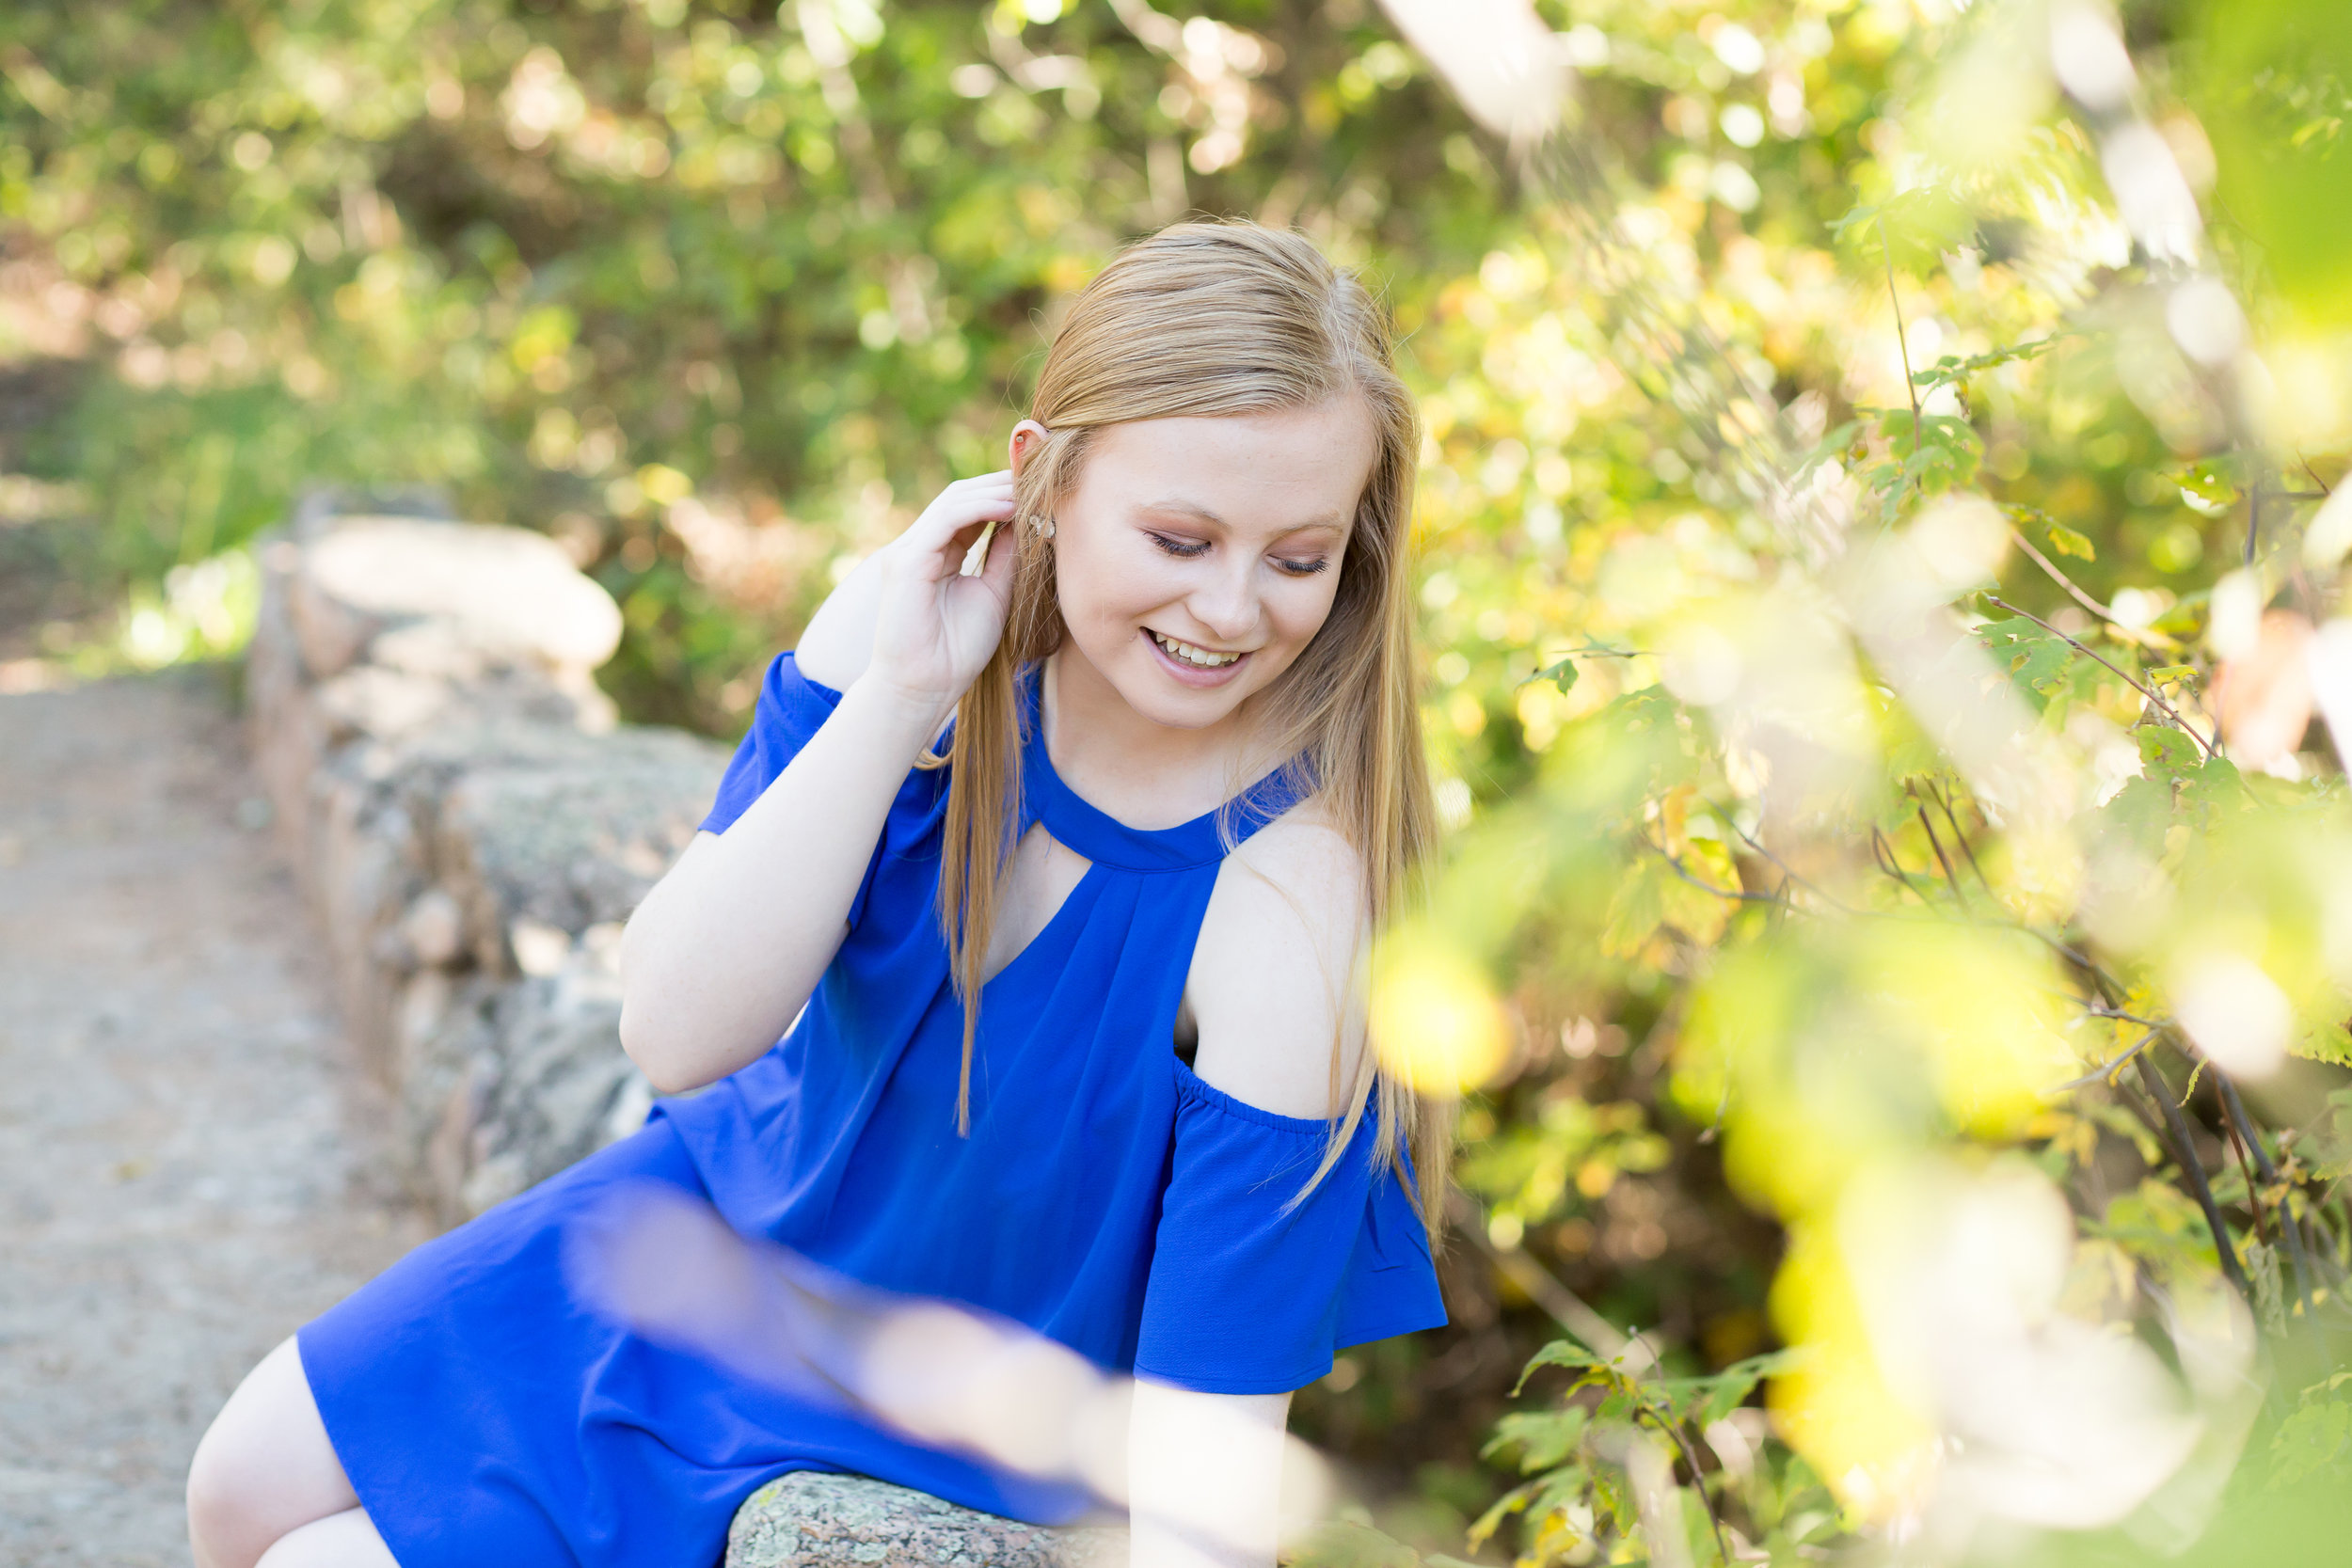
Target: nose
[1225,603]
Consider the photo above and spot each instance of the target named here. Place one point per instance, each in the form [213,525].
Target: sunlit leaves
[2277,76]
[1435,1017]
[2041,663]
[1827,1047]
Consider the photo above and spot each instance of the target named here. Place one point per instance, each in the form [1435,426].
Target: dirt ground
[184,1177]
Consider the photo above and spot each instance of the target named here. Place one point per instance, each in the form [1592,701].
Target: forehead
[1255,473]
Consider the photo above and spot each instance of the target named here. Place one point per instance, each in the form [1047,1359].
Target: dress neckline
[1098,836]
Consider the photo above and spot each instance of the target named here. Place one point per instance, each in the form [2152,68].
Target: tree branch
[2161,706]
[2104,1068]
[2184,1150]
[2058,577]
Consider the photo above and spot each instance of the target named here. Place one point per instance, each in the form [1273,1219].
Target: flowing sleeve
[1244,1298]
[790,710]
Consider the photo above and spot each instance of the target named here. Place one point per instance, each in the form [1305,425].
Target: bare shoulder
[1275,975]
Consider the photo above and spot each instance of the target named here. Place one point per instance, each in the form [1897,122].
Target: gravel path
[180,1180]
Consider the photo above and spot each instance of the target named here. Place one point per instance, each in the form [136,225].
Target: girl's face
[1198,557]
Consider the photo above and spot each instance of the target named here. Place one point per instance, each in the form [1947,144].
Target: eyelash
[1184,553]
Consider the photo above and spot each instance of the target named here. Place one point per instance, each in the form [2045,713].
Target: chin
[1164,702]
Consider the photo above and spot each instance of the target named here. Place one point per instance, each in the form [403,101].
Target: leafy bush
[1880,570]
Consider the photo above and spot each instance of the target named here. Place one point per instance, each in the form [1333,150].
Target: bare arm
[1203,1476]
[1274,987]
[730,943]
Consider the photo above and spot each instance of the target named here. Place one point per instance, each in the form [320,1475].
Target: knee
[237,1477]
[225,1493]
[221,1497]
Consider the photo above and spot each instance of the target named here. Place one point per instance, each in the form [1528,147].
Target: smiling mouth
[1199,658]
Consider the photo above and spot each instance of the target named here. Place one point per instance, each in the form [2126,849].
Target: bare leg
[265,1469]
[346,1539]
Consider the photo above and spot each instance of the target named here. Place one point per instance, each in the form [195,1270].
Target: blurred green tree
[1880,570]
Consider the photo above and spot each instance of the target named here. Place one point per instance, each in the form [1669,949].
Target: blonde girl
[1016,966]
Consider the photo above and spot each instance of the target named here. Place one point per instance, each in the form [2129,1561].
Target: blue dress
[1106,1197]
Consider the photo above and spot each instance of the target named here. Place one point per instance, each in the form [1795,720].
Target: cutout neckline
[1098,836]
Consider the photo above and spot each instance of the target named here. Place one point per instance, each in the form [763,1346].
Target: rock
[812,1519]
[447,599]
[435,928]
[472,825]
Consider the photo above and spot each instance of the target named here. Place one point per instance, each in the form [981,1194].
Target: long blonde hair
[1209,319]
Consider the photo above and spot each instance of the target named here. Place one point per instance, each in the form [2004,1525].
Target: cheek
[1300,607]
[1103,593]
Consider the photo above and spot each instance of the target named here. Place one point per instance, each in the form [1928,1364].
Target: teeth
[1191,654]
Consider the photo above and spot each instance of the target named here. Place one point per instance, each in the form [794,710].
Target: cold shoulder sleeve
[790,709]
[1244,1298]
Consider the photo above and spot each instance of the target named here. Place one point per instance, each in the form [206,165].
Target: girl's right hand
[934,628]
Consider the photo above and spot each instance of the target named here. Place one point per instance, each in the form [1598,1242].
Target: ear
[1027,436]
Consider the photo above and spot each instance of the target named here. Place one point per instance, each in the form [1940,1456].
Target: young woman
[1078,1039]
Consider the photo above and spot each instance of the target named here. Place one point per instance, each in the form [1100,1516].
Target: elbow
[648,1031]
[654,1051]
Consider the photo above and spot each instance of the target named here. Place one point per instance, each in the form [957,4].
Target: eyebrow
[1193,508]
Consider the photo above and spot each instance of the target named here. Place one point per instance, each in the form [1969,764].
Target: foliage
[1598,1463]
[1880,575]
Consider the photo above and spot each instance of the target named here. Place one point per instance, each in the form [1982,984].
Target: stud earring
[1044,527]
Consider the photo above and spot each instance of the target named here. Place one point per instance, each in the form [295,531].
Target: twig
[2165,708]
[1965,848]
[2104,1068]
[2121,1017]
[1698,1480]
[2184,1150]
[1562,1305]
[1902,336]
[1883,853]
[2323,491]
[2234,1113]
[1740,894]
[1787,874]
[2254,1188]
[2059,577]
[1935,844]
[2253,521]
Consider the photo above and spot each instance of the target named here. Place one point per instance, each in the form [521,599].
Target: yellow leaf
[2067,542]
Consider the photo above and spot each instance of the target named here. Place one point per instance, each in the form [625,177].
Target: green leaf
[1560,1352]
[2067,542]
[1915,228]
[1543,1437]
[1949,369]
[2039,660]
[1505,1506]
[2210,481]
[2330,1043]
[1735,1383]
[2315,1439]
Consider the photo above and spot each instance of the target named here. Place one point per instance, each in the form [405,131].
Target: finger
[957,509]
[1003,560]
[941,536]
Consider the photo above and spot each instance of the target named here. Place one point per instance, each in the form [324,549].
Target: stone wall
[470,824]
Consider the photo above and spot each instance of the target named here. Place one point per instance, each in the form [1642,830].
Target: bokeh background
[1879,568]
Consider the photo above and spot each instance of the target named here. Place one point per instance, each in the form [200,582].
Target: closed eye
[1187,550]
[1183,550]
